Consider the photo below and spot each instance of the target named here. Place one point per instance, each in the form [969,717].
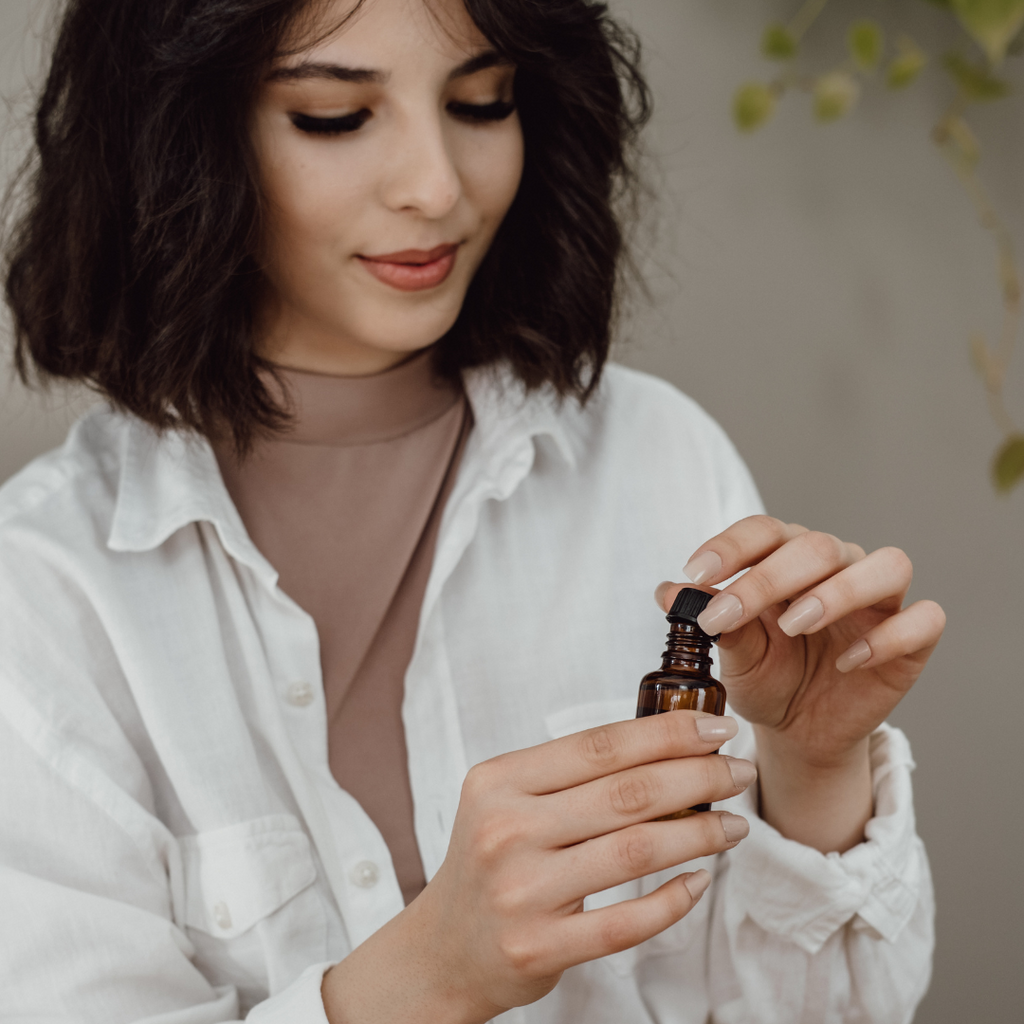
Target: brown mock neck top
[346,506]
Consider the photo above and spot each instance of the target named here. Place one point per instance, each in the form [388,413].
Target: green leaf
[1008,466]
[976,82]
[778,43]
[906,65]
[835,94]
[992,23]
[865,41]
[752,105]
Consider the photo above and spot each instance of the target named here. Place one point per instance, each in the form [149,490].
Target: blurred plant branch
[996,29]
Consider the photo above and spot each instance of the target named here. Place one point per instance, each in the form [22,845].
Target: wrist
[823,802]
[398,977]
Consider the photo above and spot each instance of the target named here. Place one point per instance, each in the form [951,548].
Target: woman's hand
[538,830]
[816,651]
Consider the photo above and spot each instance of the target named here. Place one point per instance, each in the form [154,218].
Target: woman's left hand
[816,647]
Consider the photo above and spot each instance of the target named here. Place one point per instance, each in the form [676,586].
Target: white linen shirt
[173,847]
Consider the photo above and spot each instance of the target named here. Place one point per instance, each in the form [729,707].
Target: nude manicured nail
[714,729]
[743,772]
[705,566]
[697,883]
[800,616]
[734,827]
[721,614]
[856,654]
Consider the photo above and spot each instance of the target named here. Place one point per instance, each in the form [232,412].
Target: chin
[409,338]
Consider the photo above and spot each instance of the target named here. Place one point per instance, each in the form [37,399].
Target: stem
[995,365]
[806,17]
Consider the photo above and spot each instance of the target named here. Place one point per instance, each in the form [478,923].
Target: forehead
[381,33]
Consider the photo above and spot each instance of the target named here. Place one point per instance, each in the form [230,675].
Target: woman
[367,510]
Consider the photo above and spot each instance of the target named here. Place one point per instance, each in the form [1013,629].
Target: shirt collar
[171,480]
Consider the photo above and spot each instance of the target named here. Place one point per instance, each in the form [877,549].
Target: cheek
[491,171]
[309,202]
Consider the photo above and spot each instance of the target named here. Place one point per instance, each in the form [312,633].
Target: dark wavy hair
[134,264]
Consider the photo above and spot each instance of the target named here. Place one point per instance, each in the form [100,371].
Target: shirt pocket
[676,939]
[251,907]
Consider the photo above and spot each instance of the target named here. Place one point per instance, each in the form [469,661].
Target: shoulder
[645,408]
[82,472]
[640,428]
[56,513]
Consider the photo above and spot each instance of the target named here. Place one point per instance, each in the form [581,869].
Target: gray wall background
[814,287]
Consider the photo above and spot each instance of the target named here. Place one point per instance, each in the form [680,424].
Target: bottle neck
[687,647]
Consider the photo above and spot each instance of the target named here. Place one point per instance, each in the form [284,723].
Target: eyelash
[497,111]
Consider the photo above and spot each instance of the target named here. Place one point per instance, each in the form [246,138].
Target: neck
[687,647]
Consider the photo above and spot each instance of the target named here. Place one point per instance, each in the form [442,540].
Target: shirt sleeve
[800,937]
[797,935]
[91,880]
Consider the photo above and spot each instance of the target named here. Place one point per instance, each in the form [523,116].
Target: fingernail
[697,883]
[734,827]
[743,772]
[800,616]
[721,614]
[715,729]
[856,654]
[704,566]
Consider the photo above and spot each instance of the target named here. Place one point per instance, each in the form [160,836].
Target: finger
[643,849]
[800,563]
[579,758]
[740,546]
[641,794]
[881,578]
[597,933]
[912,633]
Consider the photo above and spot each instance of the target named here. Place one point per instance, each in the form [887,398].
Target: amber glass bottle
[684,681]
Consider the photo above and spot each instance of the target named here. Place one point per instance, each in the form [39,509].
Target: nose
[421,174]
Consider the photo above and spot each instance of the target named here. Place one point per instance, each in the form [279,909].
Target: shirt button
[222,916]
[365,874]
[300,694]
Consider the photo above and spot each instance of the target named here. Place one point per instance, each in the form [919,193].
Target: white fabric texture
[173,847]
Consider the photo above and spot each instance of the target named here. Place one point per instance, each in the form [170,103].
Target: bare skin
[816,651]
[395,138]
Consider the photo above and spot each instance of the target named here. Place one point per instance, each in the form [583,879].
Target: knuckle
[599,747]
[936,613]
[675,730]
[519,952]
[712,832]
[632,794]
[494,836]
[511,902]
[618,932]
[635,853]
[481,780]
[765,523]
[900,562]
[764,584]
[824,546]
[709,775]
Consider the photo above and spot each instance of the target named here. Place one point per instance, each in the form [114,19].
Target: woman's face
[388,152]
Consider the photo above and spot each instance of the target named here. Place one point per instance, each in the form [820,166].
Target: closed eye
[330,125]
[497,111]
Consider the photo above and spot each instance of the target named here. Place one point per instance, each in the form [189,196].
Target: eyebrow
[364,76]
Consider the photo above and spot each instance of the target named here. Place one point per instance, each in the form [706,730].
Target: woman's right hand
[537,831]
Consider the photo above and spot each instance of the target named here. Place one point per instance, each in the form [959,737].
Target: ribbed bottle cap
[689,603]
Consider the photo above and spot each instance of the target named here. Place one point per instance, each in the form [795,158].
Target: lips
[412,270]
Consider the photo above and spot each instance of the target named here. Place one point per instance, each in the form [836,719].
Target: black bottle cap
[689,603]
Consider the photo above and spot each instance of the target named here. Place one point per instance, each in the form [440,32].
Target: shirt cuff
[299,1003]
[796,892]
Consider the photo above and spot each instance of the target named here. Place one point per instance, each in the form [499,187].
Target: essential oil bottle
[684,681]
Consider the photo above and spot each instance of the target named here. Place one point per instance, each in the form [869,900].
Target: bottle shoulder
[683,678]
